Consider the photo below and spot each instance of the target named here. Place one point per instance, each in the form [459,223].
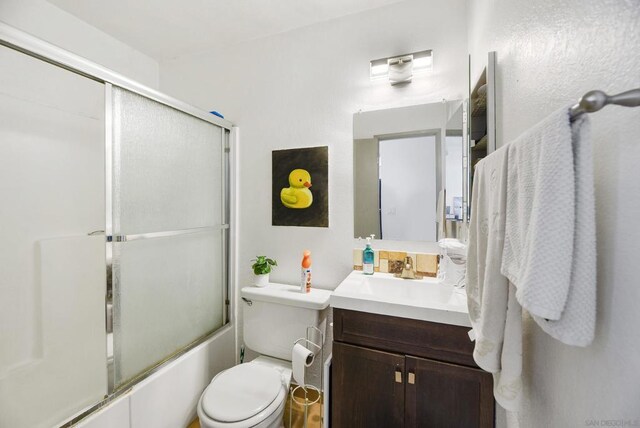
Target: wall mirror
[406,159]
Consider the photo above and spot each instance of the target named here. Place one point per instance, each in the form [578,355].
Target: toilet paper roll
[301,358]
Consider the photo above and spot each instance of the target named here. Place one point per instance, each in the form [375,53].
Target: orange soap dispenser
[305,280]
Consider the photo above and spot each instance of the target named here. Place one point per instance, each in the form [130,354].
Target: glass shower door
[52,269]
[168,232]
[104,192]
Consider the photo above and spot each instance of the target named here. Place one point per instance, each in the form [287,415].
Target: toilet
[254,394]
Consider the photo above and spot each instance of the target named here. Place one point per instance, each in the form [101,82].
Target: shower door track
[20,41]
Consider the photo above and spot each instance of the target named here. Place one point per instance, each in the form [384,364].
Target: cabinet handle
[411,378]
[398,376]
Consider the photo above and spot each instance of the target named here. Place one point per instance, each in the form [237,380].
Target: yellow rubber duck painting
[297,195]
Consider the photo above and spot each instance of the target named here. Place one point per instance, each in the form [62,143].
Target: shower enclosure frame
[20,41]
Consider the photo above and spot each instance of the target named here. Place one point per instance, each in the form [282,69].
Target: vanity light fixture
[401,68]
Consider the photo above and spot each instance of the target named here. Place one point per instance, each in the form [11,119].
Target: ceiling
[165,29]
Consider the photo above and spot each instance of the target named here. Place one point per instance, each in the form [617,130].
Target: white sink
[382,293]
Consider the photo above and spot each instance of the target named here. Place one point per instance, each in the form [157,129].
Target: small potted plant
[261,268]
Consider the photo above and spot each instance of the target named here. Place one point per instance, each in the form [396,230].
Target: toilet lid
[241,392]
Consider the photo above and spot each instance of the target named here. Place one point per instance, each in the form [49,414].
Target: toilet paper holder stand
[307,395]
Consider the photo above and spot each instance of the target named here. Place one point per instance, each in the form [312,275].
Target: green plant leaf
[262,265]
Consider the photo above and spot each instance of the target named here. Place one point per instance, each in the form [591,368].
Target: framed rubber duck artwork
[300,187]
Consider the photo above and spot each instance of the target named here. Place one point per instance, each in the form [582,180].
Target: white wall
[54,25]
[301,88]
[549,54]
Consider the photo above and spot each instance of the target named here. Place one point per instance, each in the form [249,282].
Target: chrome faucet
[408,272]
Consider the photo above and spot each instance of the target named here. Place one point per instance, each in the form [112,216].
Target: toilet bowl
[253,395]
[247,395]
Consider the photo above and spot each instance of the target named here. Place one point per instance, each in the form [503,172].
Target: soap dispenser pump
[367,258]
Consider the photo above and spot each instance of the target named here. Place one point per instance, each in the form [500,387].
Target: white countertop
[381,293]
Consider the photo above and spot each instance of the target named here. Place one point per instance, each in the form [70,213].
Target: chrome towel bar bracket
[593,101]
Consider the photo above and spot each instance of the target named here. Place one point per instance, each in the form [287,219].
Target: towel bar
[593,101]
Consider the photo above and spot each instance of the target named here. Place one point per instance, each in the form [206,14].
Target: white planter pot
[261,280]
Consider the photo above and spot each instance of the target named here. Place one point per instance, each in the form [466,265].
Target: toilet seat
[245,395]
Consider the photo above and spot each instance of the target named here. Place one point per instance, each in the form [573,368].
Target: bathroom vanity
[401,351]
[402,357]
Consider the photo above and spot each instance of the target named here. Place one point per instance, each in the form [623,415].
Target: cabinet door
[447,395]
[367,388]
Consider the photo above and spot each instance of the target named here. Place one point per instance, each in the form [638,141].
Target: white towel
[494,312]
[549,249]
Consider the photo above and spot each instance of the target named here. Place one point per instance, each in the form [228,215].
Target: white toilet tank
[277,315]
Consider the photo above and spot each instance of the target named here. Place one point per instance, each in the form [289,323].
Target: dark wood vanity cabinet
[364,390]
[396,372]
